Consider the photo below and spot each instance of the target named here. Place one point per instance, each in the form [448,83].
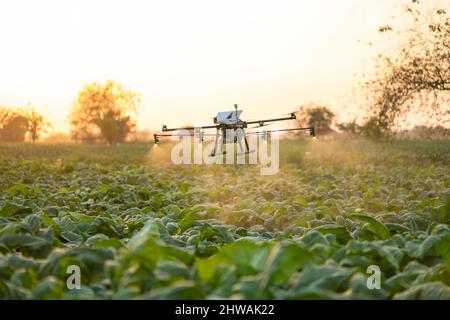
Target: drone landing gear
[219,142]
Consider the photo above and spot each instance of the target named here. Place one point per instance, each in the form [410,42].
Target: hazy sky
[188,59]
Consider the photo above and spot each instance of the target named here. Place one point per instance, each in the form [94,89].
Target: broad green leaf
[72,236]
[49,289]
[248,257]
[427,291]
[326,277]
[284,260]
[9,209]
[177,291]
[340,232]
[439,239]
[374,225]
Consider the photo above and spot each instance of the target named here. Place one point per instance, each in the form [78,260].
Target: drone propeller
[293,114]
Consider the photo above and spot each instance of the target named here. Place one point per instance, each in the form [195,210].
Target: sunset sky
[188,59]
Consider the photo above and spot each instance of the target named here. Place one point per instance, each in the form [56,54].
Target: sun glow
[187,58]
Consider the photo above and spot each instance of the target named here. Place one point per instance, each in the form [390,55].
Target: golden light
[187,58]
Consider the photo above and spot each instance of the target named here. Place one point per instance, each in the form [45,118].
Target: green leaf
[24,241]
[9,209]
[440,239]
[300,201]
[330,277]
[318,282]
[284,260]
[18,188]
[359,290]
[248,257]
[340,232]
[179,291]
[427,291]
[49,289]
[150,229]
[72,236]
[374,225]
[396,227]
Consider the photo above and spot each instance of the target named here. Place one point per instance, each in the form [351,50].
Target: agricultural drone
[230,129]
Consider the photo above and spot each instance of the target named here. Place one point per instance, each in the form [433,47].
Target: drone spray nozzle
[199,136]
[293,116]
[164,128]
[264,136]
[312,132]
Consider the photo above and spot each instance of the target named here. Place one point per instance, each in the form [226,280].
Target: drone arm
[157,136]
[164,128]
[261,122]
[312,130]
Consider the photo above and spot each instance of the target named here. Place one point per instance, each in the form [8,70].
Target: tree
[316,115]
[369,129]
[104,111]
[351,127]
[14,125]
[415,75]
[37,124]
[3,115]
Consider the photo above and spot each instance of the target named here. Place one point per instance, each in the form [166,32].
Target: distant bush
[317,116]
[425,133]
[17,123]
[14,126]
[349,127]
[57,137]
[370,129]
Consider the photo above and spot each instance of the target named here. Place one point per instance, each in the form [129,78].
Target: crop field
[139,227]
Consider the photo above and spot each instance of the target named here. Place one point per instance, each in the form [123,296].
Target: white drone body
[228,117]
